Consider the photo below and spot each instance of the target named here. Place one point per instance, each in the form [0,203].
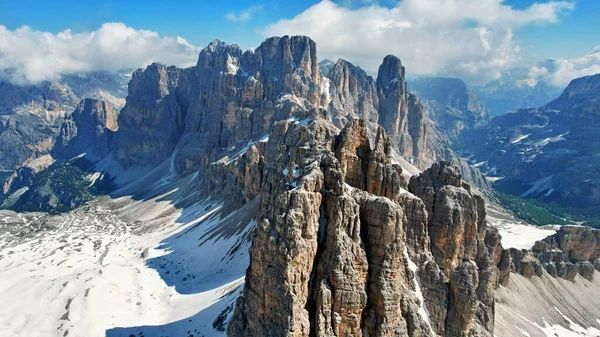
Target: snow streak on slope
[121,267]
[417,284]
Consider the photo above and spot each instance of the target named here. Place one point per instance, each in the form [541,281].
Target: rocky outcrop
[151,122]
[468,254]
[341,245]
[353,94]
[385,102]
[89,129]
[213,109]
[393,105]
[232,98]
[572,250]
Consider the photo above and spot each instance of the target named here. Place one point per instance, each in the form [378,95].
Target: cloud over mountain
[465,38]
[561,71]
[30,56]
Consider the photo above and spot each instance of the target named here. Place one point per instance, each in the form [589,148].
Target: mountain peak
[390,70]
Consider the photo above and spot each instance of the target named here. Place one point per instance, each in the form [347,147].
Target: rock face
[570,251]
[354,94]
[548,153]
[393,106]
[451,105]
[468,254]
[89,129]
[63,181]
[229,98]
[335,243]
[151,121]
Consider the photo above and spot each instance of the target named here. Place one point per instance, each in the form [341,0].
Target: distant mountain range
[551,153]
[515,90]
[31,115]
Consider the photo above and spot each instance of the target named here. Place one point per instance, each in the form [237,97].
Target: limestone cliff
[343,249]
[231,97]
[89,129]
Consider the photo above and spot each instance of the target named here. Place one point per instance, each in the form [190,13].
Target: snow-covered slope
[515,233]
[152,266]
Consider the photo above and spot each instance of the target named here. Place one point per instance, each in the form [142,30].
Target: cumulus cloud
[243,16]
[30,56]
[560,72]
[472,39]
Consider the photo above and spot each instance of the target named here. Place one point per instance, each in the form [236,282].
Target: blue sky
[200,22]
[565,29]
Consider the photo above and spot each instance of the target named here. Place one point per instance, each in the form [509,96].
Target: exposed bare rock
[365,168]
[393,105]
[333,250]
[151,122]
[525,263]
[571,250]
[31,114]
[89,129]
[418,130]
[467,252]
[454,217]
[327,249]
[354,94]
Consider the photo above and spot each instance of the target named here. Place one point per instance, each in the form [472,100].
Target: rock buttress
[341,247]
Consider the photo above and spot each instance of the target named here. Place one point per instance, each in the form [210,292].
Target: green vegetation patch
[530,210]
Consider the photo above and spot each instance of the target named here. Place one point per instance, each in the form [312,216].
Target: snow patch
[514,233]
[325,84]
[92,178]
[301,122]
[553,330]
[417,283]
[549,192]
[538,186]
[518,139]
[228,160]
[546,141]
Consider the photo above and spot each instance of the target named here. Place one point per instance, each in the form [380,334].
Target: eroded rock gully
[338,232]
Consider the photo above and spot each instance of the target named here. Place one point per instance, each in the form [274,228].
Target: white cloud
[31,56]
[566,69]
[243,16]
[472,39]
